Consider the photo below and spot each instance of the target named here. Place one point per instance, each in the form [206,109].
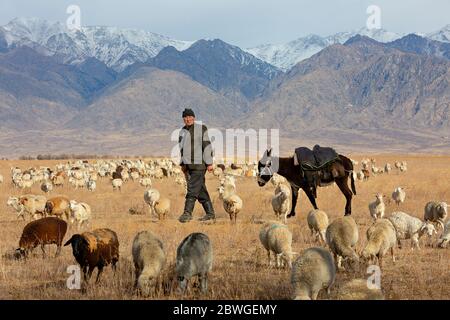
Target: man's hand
[210,168]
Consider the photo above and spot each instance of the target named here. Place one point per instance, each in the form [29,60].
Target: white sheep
[318,224]
[408,227]
[444,239]
[149,259]
[358,289]
[145,182]
[387,168]
[278,179]
[313,271]
[281,201]
[377,207]
[381,237]
[436,212]
[342,236]
[34,205]
[276,238]
[399,195]
[117,184]
[232,203]
[80,212]
[150,198]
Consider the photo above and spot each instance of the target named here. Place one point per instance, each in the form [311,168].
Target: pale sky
[245,23]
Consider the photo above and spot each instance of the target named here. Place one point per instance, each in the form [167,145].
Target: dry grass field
[240,269]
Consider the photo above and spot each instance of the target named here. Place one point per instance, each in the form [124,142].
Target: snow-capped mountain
[442,35]
[285,56]
[117,48]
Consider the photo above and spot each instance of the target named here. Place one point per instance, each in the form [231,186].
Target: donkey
[340,170]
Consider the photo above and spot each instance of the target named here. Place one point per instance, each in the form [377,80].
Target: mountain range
[109,90]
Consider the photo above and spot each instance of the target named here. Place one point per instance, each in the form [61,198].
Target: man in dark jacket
[196,158]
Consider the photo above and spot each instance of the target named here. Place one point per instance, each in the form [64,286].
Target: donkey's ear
[68,242]
[269,152]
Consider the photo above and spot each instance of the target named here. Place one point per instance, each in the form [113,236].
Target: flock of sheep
[313,270]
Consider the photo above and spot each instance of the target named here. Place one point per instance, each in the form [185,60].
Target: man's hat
[188,112]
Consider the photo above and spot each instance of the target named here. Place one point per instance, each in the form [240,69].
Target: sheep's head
[352,263]
[20,253]
[442,209]
[379,197]
[80,246]
[427,228]
[12,201]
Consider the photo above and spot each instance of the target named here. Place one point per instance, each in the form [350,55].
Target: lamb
[232,203]
[360,175]
[342,236]
[162,208]
[117,184]
[41,232]
[381,237]
[194,258]
[436,212]
[79,212]
[91,185]
[77,183]
[276,237]
[366,174]
[150,198]
[408,227]
[281,201]
[95,249]
[377,207]
[399,195]
[445,236]
[312,271]
[58,206]
[46,187]
[58,180]
[149,259]
[387,168]
[318,224]
[358,289]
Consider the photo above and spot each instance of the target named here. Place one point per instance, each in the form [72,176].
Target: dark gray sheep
[194,258]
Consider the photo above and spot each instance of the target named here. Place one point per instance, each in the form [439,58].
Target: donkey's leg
[311,198]
[294,201]
[342,184]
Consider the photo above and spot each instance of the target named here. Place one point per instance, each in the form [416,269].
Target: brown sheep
[44,231]
[58,206]
[93,249]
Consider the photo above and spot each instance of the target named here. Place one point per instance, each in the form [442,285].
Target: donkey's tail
[348,167]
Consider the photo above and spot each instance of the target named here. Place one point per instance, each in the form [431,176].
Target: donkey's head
[265,171]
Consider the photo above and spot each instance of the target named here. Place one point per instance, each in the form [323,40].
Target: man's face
[189,120]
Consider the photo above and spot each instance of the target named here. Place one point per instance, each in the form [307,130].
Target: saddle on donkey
[315,165]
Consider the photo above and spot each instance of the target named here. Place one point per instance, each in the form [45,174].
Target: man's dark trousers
[196,190]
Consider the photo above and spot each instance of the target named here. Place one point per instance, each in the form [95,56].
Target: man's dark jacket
[195,147]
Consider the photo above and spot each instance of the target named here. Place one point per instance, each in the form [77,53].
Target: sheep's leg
[399,243]
[58,250]
[314,294]
[43,250]
[204,283]
[268,257]
[380,260]
[100,270]
[392,254]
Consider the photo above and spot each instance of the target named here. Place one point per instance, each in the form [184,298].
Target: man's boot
[188,208]
[209,209]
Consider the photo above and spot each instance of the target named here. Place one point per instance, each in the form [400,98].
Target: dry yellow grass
[240,269]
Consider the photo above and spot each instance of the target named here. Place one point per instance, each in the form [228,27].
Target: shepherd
[196,159]
[308,170]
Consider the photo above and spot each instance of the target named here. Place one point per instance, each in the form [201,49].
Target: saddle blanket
[314,159]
